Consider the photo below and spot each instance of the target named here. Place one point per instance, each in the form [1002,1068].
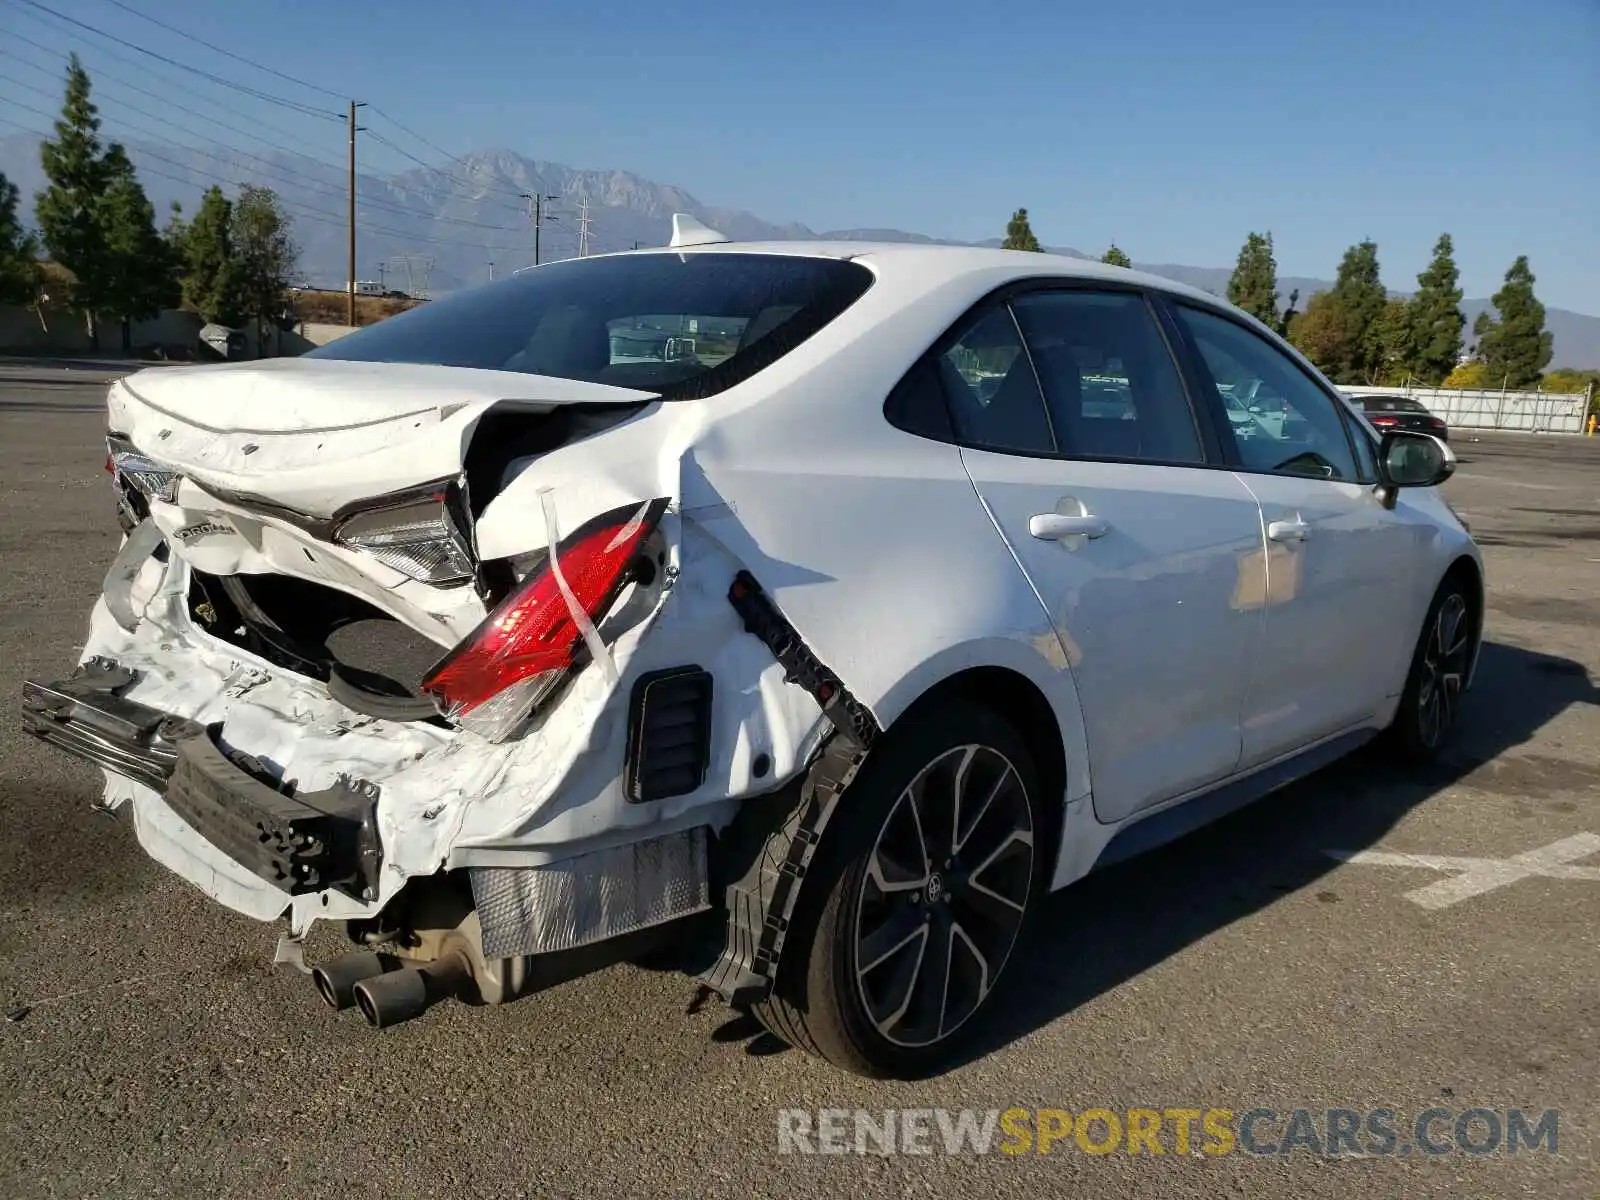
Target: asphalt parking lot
[1254,964]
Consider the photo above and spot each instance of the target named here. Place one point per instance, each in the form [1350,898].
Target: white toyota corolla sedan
[801,612]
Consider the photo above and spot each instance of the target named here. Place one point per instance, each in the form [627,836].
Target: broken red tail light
[523,649]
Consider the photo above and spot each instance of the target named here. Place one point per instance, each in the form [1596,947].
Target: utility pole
[491,270]
[537,215]
[382,266]
[350,282]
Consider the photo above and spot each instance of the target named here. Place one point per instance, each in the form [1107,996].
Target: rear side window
[991,388]
[1112,388]
[680,325]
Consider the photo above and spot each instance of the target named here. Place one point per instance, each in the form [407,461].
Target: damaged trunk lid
[315,435]
[360,482]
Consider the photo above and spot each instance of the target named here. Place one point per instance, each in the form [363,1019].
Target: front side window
[1281,422]
[679,325]
[1112,387]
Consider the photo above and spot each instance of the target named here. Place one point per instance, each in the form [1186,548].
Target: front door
[1338,562]
[1081,442]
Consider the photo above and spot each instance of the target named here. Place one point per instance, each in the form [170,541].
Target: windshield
[682,325]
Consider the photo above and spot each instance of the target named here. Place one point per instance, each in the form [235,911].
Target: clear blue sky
[1172,126]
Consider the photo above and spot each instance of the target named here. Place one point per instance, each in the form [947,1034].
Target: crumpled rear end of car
[520,761]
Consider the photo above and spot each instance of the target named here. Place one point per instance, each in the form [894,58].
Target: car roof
[935,264]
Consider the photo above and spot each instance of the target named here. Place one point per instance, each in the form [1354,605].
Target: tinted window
[993,394]
[1280,421]
[680,325]
[1112,388]
[1366,452]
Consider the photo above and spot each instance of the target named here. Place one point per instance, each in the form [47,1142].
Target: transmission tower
[583,229]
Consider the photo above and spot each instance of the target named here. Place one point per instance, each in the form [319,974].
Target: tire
[1431,699]
[859,974]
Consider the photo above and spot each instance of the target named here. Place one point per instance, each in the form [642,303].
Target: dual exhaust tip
[386,989]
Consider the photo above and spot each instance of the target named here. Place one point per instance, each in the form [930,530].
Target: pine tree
[1516,348]
[1116,257]
[1396,342]
[139,274]
[1253,286]
[213,276]
[266,254]
[68,209]
[19,251]
[1435,314]
[1358,293]
[1019,234]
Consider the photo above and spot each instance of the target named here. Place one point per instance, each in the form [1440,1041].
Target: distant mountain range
[441,228]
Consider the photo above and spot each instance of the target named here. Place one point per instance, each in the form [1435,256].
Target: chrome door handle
[1288,531]
[1052,527]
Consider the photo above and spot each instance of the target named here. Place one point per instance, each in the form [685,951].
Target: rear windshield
[681,325]
[1391,404]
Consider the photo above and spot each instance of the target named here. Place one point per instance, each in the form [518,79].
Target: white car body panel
[1174,675]
[793,474]
[1350,583]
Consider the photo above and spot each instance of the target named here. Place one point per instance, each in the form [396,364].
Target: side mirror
[1407,459]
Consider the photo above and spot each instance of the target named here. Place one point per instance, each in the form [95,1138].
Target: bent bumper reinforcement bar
[298,842]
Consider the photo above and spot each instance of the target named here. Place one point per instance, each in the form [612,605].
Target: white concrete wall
[1465,408]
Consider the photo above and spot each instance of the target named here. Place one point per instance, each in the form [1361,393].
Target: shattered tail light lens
[415,535]
[522,651]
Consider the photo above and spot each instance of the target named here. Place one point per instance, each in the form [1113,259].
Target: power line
[128,8]
[296,210]
[482,186]
[439,150]
[302,179]
[378,137]
[153,74]
[268,97]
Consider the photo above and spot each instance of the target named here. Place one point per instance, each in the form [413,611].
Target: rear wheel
[919,898]
[1432,697]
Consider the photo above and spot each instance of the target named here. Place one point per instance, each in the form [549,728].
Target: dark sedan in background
[1399,412]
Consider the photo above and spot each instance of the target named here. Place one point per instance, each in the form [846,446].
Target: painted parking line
[1474,876]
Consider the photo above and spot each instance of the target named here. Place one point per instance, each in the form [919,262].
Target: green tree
[139,273]
[1322,333]
[68,210]
[1019,234]
[1116,257]
[1436,320]
[1253,286]
[1569,379]
[1395,339]
[1358,293]
[266,254]
[19,251]
[1515,348]
[213,276]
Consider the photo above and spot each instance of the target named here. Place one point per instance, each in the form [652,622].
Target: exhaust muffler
[391,997]
[336,980]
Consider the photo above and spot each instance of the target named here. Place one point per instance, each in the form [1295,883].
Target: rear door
[1339,563]
[1080,439]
